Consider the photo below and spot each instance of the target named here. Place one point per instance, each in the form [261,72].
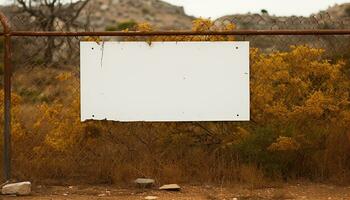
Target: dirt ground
[302,191]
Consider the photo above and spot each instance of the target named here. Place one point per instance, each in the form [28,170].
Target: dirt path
[303,191]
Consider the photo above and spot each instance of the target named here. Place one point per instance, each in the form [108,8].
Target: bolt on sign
[165,81]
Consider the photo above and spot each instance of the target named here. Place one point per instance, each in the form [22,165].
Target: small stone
[144,182]
[22,188]
[171,187]
[151,197]
[104,7]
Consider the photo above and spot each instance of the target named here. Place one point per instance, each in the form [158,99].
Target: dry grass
[299,129]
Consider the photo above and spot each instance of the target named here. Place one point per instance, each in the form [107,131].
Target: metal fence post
[7,96]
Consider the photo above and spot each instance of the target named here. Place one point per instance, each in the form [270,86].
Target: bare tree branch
[48,14]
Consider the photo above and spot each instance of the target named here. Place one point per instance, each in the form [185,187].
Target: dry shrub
[171,173]
[252,176]
[299,129]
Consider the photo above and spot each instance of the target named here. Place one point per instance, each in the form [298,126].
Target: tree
[51,15]
[264,12]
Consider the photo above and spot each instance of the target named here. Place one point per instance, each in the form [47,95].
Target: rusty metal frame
[7,96]
[8,34]
[182,33]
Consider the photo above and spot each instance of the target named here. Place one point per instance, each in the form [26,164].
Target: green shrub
[145,11]
[126,25]
[111,28]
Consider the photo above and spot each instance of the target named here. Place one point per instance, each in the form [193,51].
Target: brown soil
[302,191]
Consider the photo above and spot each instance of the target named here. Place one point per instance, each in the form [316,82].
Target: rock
[22,188]
[151,197]
[171,187]
[144,182]
[104,7]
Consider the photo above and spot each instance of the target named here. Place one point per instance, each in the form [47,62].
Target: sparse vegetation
[111,28]
[122,26]
[48,14]
[127,25]
[264,12]
[299,128]
[347,11]
[145,11]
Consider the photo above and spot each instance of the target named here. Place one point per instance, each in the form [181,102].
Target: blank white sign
[165,81]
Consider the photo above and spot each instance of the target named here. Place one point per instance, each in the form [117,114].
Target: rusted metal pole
[7,97]
[183,33]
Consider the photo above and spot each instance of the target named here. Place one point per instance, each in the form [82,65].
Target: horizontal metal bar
[183,33]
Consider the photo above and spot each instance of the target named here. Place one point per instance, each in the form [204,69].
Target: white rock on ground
[22,188]
[171,187]
[151,197]
[144,182]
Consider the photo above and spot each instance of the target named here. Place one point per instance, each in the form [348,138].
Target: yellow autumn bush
[199,25]
[299,128]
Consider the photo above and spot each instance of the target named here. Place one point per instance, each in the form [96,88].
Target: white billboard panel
[165,81]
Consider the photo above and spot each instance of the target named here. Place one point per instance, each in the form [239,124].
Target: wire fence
[289,66]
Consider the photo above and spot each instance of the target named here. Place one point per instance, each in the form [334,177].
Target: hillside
[335,17]
[116,14]
[340,11]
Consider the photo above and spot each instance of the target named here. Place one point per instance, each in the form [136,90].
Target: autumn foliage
[299,128]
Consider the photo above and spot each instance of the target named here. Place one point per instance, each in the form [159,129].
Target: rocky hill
[119,14]
[340,11]
[336,17]
[109,14]
[116,15]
